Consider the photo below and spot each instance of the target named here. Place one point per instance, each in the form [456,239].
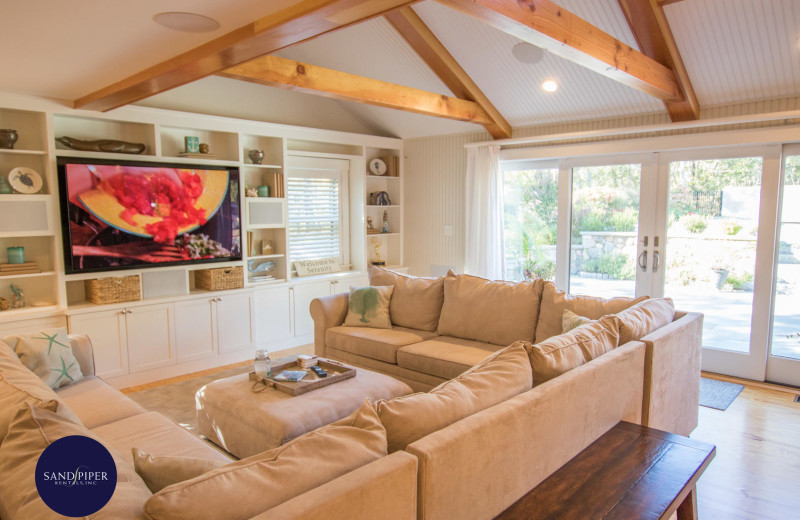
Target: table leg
[688,508]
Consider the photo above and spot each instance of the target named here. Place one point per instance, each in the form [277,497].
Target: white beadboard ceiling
[736,51]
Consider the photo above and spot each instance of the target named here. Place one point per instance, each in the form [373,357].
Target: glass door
[718,227]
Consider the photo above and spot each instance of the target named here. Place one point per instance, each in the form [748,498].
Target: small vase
[256,156]
[8,137]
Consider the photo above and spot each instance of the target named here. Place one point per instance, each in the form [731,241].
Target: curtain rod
[721,121]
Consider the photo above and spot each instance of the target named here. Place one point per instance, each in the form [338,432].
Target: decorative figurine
[102,145]
[370,224]
[256,156]
[5,187]
[19,297]
[192,144]
[204,148]
[377,258]
[385,227]
[8,137]
[251,192]
[4,304]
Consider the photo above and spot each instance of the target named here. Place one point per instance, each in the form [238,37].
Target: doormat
[718,394]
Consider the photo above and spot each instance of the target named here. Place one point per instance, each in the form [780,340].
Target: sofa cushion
[34,428]
[252,485]
[444,357]
[48,354]
[369,307]
[96,403]
[416,302]
[155,434]
[490,311]
[380,344]
[160,472]
[501,376]
[562,353]
[643,318]
[554,302]
[18,386]
[570,320]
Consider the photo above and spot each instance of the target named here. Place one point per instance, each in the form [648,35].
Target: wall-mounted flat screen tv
[131,215]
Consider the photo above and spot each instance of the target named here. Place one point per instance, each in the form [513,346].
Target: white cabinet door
[234,321]
[273,315]
[106,329]
[194,332]
[151,337]
[303,294]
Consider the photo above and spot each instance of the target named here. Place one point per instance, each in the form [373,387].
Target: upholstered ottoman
[245,422]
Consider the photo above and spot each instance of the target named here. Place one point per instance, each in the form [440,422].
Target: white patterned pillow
[48,354]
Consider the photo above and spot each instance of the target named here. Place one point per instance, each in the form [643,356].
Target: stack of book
[18,269]
[392,165]
[306,361]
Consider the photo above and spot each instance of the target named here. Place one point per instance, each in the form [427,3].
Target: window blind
[314,218]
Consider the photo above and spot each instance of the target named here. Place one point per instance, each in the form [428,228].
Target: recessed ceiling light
[186,22]
[549,85]
[527,53]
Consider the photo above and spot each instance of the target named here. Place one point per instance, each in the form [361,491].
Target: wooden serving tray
[336,372]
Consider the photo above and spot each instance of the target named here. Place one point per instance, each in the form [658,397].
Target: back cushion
[18,386]
[499,377]
[554,302]
[643,318]
[562,353]
[416,302]
[490,311]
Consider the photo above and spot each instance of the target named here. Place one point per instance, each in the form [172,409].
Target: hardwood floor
[756,472]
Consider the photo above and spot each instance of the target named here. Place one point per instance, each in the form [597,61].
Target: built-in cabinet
[177,327]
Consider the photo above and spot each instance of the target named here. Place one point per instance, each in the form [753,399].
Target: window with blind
[317,202]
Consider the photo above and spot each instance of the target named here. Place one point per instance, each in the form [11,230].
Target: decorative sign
[317,266]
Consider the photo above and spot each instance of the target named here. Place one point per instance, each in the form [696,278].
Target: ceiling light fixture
[549,85]
[186,22]
[527,53]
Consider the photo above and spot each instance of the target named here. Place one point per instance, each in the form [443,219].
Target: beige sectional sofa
[90,407]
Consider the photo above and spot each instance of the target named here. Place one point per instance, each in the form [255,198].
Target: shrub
[737,280]
[694,223]
[538,265]
[615,265]
[731,227]
[624,220]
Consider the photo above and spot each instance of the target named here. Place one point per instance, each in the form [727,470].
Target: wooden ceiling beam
[667,2]
[651,29]
[551,27]
[443,64]
[302,21]
[294,75]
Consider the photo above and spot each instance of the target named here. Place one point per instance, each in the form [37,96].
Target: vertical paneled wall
[435,167]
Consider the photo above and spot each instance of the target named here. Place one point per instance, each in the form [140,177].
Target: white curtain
[484,209]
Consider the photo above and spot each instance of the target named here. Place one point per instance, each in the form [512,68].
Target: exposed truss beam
[654,36]
[430,49]
[667,2]
[549,26]
[293,75]
[302,21]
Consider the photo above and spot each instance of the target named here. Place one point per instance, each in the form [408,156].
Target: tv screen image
[121,215]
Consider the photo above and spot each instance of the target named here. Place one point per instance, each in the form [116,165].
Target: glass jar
[262,364]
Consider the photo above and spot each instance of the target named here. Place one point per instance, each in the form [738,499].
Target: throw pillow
[416,302]
[643,318]
[33,429]
[499,377]
[369,307]
[248,487]
[570,320]
[562,353]
[160,472]
[48,354]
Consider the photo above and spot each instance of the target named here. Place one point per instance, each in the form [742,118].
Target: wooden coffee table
[630,472]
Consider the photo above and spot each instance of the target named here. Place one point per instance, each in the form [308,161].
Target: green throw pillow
[570,320]
[48,354]
[369,307]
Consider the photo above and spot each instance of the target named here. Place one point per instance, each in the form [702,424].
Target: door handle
[656,260]
[643,261]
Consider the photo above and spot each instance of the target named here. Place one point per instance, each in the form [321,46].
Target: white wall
[435,188]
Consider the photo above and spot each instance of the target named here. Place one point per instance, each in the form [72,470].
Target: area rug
[718,394]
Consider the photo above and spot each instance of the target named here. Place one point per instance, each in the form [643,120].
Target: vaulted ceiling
[734,51]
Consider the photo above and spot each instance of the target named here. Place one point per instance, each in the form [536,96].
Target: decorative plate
[25,180]
[377,167]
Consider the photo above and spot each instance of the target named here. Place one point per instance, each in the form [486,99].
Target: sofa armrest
[84,352]
[327,312]
[672,374]
[501,453]
[385,489]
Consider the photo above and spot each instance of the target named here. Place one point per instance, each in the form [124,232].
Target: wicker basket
[113,290]
[219,279]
